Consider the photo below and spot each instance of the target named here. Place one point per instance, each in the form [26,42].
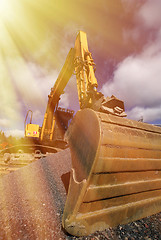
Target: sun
[3,5]
[5,9]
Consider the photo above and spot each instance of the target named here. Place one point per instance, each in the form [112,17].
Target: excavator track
[18,156]
[116,172]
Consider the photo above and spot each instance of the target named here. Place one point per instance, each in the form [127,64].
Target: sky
[35,37]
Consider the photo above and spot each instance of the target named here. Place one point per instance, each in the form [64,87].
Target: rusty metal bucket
[116,174]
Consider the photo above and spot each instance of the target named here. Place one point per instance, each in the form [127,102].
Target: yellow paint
[32,130]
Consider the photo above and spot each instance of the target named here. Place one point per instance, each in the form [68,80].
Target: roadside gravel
[32,201]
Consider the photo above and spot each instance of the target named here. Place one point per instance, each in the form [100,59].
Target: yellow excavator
[56,119]
[80,60]
[116,162]
[49,140]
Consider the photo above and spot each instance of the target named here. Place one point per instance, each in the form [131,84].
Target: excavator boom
[87,84]
[54,96]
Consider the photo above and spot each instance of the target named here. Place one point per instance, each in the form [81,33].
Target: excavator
[56,119]
[49,138]
[116,162]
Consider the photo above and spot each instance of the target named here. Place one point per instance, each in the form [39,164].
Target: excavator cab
[31,130]
[61,120]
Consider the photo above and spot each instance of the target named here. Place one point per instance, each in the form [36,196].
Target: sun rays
[40,34]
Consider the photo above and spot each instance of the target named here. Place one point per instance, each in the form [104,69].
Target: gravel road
[32,201]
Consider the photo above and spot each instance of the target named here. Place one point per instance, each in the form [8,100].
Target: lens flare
[5,9]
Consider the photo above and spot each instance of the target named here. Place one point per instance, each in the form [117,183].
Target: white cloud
[131,34]
[10,106]
[4,123]
[37,117]
[128,4]
[26,87]
[149,14]
[14,133]
[64,101]
[148,114]
[32,82]
[137,79]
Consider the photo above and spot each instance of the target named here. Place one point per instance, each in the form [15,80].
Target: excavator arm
[87,84]
[54,96]
[84,68]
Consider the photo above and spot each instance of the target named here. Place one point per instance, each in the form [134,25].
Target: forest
[9,141]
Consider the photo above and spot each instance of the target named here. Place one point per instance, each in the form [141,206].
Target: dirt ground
[32,201]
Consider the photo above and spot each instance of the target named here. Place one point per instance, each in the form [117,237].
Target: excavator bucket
[116,172]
